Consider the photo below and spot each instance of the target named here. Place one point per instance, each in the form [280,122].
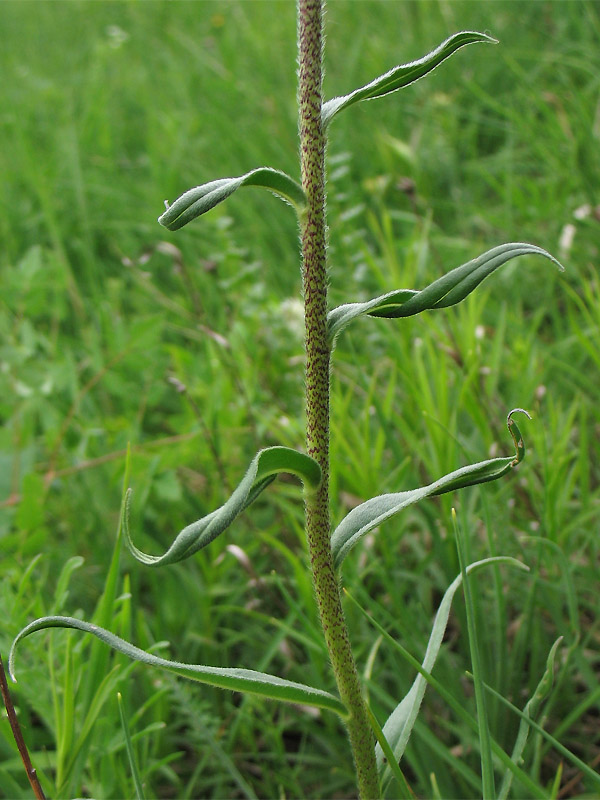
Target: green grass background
[188,346]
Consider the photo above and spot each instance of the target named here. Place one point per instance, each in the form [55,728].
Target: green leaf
[404,789]
[238,680]
[81,742]
[483,722]
[541,691]
[446,291]
[97,660]
[198,201]
[580,765]
[404,75]
[135,773]
[263,470]
[531,786]
[399,725]
[373,512]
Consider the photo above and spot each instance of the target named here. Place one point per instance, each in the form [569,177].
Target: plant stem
[18,736]
[314,255]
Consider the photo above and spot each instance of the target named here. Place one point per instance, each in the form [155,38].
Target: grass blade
[97,662]
[201,199]
[239,680]
[487,767]
[373,512]
[577,762]
[400,723]
[137,781]
[532,788]
[263,470]
[403,75]
[406,791]
[530,709]
[82,742]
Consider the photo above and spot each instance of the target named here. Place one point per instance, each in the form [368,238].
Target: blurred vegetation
[189,347]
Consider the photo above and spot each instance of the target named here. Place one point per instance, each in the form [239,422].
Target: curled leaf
[238,680]
[403,75]
[373,512]
[198,201]
[446,291]
[263,470]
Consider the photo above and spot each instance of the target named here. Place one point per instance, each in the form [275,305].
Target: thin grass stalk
[314,257]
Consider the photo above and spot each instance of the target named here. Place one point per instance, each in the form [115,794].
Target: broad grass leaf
[373,512]
[238,680]
[446,291]
[399,725]
[263,470]
[403,75]
[201,199]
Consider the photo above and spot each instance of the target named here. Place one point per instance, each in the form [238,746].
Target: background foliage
[189,347]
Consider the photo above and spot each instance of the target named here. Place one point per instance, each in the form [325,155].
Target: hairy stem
[313,233]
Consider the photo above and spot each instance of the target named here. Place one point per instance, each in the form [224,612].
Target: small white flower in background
[569,230]
[566,240]
[116,36]
[583,212]
[292,311]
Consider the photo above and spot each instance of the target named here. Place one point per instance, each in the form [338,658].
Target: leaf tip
[161,220]
[489,39]
[514,411]
[516,435]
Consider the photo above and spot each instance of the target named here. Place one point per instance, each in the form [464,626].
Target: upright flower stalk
[327,549]
[318,351]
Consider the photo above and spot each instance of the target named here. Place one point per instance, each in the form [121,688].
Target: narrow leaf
[238,680]
[135,773]
[446,291]
[263,470]
[531,786]
[382,742]
[398,728]
[373,512]
[403,75]
[201,199]
[97,662]
[485,739]
[541,691]
[586,770]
